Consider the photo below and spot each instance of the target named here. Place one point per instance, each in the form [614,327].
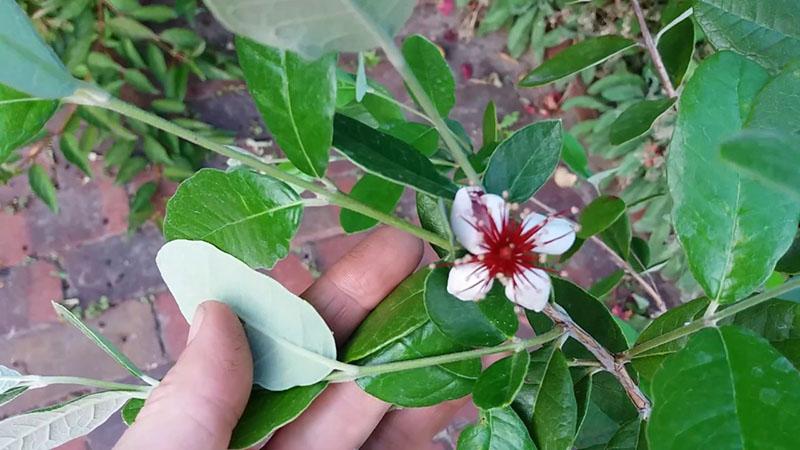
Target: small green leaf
[769,156]
[422,137]
[490,134]
[676,47]
[574,156]
[297,99]
[618,236]
[499,383]
[790,261]
[21,118]
[546,403]
[607,284]
[389,157]
[183,39]
[29,65]
[154,151]
[475,324]
[130,168]
[11,394]
[631,436]
[126,27]
[426,61]
[43,187]
[580,56]
[139,81]
[131,410]
[168,106]
[608,409]
[362,83]
[372,191]
[154,13]
[750,394]
[433,217]
[599,215]
[291,344]
[497,429]
[638,119]
[523,162]
[250,216]
[101,61]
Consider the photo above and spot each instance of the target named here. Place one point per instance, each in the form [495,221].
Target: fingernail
[197,322]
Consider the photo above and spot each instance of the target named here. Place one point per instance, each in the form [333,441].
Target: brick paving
[86,254]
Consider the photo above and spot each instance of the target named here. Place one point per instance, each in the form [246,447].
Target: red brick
[318,223]
[174,328]
[114,206]
[331,250]
[292,274]
[77,444]
[15,242]
[45,287]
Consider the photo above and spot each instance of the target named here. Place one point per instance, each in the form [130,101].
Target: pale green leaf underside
[291,344]
[50,428]
[314,27]
[28,64]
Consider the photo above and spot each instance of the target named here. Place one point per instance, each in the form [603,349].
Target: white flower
[503,248]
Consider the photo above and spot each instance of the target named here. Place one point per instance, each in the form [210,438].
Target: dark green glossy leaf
[607,410]
[766,31]
[639,256]
[372,191]
[790,261]
[399,314]
[245,214]
[21,118]
[425,386]
[501,382]
[599,215]
[588,312]
[43,187]
[733,229]
[750,394]
[314,27]
[476,324]
[607,284]
[574,156]
[433,217]
[427,63]
[771,110]
[377,104]
[523,162]
[546,403]
[638,119]
[575,58]
[422,137]
[497,429]
[768,156]
[389,157]
[297,99]
[29,65]
[777,321]
[618,236]
[267,411]
[630,436]
[131,410]
[676,47]
[489,127]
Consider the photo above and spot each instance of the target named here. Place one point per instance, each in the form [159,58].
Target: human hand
[201,398]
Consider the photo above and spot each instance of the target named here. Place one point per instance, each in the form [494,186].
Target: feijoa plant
[717,372]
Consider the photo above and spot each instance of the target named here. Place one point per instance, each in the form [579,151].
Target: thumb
[202,397]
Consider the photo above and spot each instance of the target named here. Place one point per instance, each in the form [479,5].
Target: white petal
[465,216]
[531,291]
[555,237]
[469,282]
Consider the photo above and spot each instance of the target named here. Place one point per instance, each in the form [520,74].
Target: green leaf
[676,48]
[8,384]
[599,215]
[588,312]
[29,65]
[58,425]
[375,192]
[131,410]
[11,394]
[733,229]
[777,321]
[314,27]
[422,137]
[768,32]
[580,56]
[790,261]
[768,156]
[250,216]
[154,151]
[433,217]
[139,81]
[546,403]
[297,99]
[184,39]
[267,411]
[291,344]
[574,156]
[771,110]
[168,106]
[648,363]
[608,409]
[130,168]
[638,119]
[630,436]
[99,340]
[43,187]
[618,236]
[501,382]
[388,157]
[497,429]
[154,13]
[607,284]
[490,132]
[523,162]
[424,386]
[519,35]
[126,27]
[399,314]
[426,61]
[21,118]
[750,394]
[476,324]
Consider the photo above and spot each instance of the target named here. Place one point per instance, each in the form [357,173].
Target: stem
[712,319]
[94,97]
[380,369]
[37,381]
[606,359]
[620,262]
[653,50]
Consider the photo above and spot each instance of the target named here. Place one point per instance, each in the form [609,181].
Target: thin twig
[606,359]
[651,290]
[653,50]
